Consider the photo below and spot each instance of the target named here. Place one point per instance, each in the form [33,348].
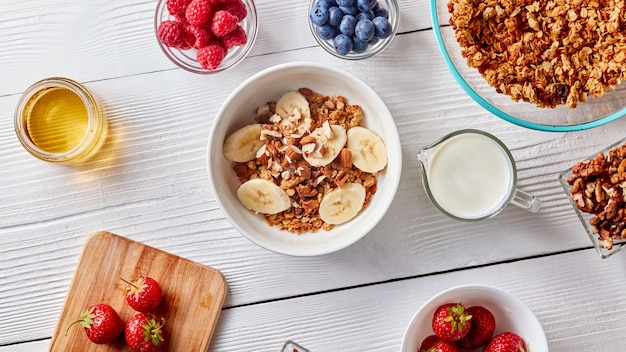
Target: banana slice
[291,101]
[369,152]
[329,140]
[342,204]
[263,196]
[242,145]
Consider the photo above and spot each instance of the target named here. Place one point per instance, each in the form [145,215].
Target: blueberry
[334,16]
[319,15]
[326,3]
[358,45]
[383,27]
[364,30]
[366,5]
[326,31]
[381,13]
[369,15]
[345,3]
[373,41]
[348,22]
[343,44]
[349,10]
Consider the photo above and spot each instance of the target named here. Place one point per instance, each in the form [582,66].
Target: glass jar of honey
[58,120]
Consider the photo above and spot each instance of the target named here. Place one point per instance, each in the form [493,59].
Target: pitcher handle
[526,201]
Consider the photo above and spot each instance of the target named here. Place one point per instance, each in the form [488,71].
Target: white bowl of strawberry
[205,36]
[474,318]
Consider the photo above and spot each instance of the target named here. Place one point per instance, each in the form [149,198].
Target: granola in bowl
[548,53]
[306,163]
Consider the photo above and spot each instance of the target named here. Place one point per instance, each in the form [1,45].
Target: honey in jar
[58,120]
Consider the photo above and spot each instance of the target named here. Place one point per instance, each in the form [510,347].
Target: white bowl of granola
[524,63]
[291,162]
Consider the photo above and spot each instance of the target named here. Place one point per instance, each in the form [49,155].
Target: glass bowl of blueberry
[354,29]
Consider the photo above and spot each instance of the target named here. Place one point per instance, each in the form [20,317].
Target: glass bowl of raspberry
[354,29]
[203,36]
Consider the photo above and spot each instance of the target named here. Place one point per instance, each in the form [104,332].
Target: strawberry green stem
[72,324]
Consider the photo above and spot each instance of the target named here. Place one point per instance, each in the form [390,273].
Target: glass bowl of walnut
[596,187]
[540,65]
[304,159]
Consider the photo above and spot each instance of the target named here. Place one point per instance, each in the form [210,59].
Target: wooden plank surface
[98,39]
[149,185]
[576,313]
[193,294]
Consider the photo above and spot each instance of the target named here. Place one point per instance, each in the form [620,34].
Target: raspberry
[199,36]
[177,7]
[199,12]
[210,57]
[180,18]
[172,34]
[236,37]
[237,8]
[223,23]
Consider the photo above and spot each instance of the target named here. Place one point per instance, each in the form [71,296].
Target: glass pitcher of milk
[471,175]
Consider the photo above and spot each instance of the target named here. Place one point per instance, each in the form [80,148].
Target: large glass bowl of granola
[304,159]
[542,65]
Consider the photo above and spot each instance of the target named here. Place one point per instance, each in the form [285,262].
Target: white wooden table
[150,184]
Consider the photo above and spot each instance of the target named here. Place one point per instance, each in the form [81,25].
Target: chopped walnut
[598,188]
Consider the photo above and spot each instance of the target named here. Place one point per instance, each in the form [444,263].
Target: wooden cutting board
[193,294]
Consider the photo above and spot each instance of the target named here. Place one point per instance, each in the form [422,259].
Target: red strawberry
[223,23]
[143,294]
[177,7]
[444,346]
[451,322]
[236,7]
[101,322]
[236,37]
[201,36]
[506,342]
[144,334]
[211,56]
[199,12]
[483,326]
[428,343]
[172,34]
